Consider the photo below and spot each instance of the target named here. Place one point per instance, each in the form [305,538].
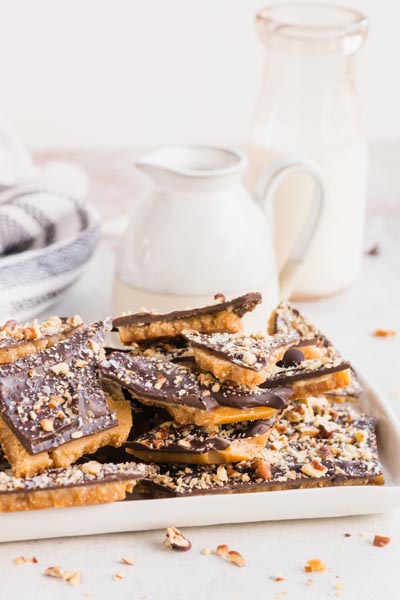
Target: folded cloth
[45,239]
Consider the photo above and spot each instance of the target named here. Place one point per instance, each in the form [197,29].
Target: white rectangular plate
[139,515]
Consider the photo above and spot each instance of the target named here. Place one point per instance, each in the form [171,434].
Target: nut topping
[262,469]
[380,541]
[385,333]
[25,559]
[60,369]
[47,425]
[315,565]
[231,555]
[176,541]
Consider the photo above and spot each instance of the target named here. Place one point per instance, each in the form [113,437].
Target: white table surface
[363,570]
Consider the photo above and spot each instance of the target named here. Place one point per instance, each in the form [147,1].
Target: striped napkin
[46,238]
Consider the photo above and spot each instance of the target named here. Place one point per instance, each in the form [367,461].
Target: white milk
[335,253]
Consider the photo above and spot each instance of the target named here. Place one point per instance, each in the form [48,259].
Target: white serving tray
[139,515]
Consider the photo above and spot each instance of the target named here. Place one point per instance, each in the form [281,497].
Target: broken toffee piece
[190,396]
[88,483]
[242,359]
[286,319]
[312,377]
[21,340]
[224,315]
[52,406]
[174,443]
[311,446]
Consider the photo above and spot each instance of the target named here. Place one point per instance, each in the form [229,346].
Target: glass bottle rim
[274,19]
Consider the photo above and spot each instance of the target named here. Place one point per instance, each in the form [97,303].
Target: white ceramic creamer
[198,232]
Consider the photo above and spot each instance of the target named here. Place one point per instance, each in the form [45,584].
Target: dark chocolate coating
[287,472]
[27,386]
[168,436]
[55,479]
[237,348]
[291,374]
[181,385]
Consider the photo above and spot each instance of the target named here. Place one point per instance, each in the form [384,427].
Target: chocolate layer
[172,437]
[178,384]
[247,351]
[239,306]
[15,334]
[299,453]
[89,473]
[309,369]
[174,481]
[54,396]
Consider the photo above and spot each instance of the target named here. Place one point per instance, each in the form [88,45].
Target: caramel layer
[239,450]
[222,321]
[220,415]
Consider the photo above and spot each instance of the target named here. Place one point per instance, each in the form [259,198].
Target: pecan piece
[262,469]
[315,565]
[176,541]
[384,333]
[231,555]
[380,541]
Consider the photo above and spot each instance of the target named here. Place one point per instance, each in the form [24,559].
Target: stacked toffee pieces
[54,410]
[219,411]
[205,408]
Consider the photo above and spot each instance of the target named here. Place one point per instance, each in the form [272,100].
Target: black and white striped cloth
[46,238]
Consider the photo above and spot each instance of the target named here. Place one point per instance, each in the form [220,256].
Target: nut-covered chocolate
[55,396]
[239,306]
[178,384]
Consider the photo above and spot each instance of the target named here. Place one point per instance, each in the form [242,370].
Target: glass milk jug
[309,106]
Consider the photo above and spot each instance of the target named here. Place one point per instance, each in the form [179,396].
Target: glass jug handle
[267,185]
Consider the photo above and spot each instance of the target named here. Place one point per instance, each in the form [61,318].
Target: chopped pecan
[262,469]
[25,559]
[176,541]
[386,333]
[380,541]
[231,555]
[56,572]
[315,565]
[220,298]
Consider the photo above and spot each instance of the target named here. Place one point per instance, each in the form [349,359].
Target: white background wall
[85,73]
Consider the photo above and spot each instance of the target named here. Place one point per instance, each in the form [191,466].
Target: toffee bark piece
[286,319]
[21,340]
[312,377]
[190,396]
[27,465]
[52,406]
[89,483]
[222,316]
[311,446]
[218,444]
[242,359]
